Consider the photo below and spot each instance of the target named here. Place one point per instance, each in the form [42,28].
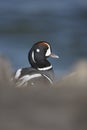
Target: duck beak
[54,56]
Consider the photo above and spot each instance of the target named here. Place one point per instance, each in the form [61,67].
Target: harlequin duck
[41,70]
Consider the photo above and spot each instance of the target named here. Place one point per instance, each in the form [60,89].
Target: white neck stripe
[33,57]
[45,68]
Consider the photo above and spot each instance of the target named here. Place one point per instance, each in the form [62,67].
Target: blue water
[62,23]
[16,48]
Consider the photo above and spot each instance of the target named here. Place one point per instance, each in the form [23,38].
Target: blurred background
[63,23]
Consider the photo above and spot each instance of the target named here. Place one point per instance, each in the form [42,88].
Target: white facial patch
[37,50]
[48,53]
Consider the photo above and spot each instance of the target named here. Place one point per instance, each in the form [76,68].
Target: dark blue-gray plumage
[41,70]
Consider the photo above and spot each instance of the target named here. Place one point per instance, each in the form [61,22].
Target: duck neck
[39,64]
[44,65]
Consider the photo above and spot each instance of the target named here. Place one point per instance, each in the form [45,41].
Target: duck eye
[37,50]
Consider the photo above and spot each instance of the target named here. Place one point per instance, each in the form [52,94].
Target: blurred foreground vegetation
[61,107]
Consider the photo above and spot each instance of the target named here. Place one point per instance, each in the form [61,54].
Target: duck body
[41,71]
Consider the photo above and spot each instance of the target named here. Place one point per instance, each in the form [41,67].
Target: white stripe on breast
[48,78]
[18,73]
[28,77]
[23,80]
